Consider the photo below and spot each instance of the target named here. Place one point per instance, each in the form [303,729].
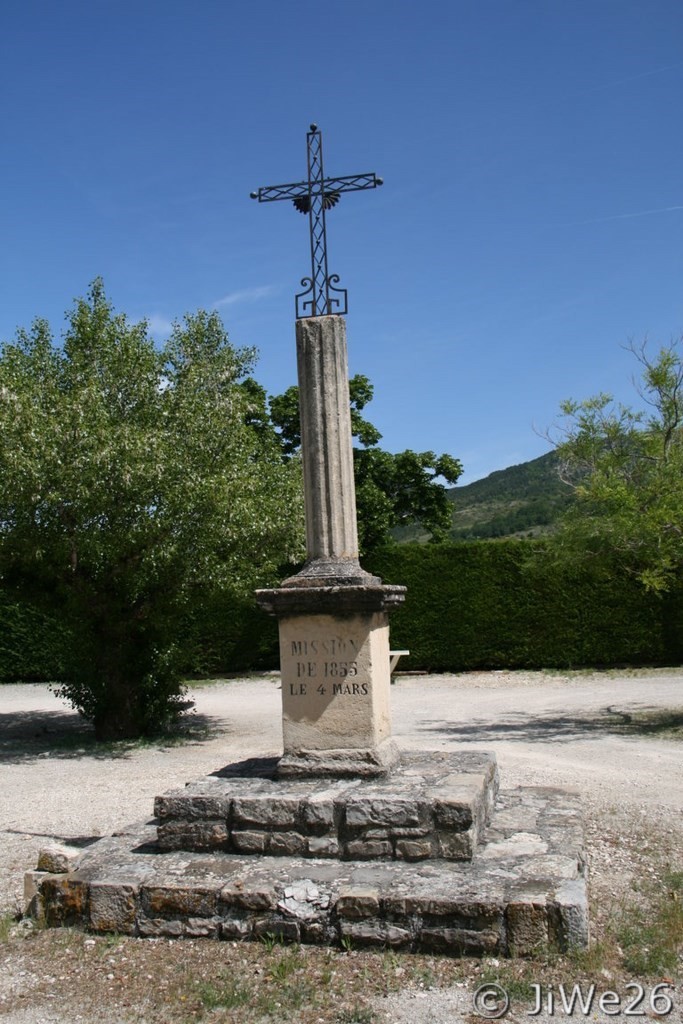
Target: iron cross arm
[314,196]
[351,183]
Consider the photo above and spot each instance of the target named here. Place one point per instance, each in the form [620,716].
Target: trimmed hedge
[31,644]
[493,605]
[225,633]
[477,605]
[221,633]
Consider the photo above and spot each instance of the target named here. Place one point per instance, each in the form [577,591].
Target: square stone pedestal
[336,677]
[336,717]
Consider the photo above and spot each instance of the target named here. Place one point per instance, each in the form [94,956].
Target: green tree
[626,467]
[284,411]
[135,480]
[391,489]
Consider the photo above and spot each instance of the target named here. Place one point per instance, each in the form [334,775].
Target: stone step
[434,805]
[523,892]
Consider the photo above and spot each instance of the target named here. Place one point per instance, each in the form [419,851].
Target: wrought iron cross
[314,197]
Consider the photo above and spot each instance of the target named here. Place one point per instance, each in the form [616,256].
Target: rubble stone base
[523,892]
[433,805]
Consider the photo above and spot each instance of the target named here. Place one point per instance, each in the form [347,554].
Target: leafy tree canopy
[626,466]
[391,489]
[133,478]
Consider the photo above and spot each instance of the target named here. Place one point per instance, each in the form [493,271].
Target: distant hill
[523,500]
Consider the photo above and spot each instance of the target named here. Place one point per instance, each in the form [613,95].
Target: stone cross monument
[329,845]
[333,616]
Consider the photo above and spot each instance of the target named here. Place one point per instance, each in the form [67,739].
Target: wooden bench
[395,656]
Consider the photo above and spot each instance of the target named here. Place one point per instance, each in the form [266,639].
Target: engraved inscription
[355,689]
[331,663]
[334,646]
[306,669]
[326,669]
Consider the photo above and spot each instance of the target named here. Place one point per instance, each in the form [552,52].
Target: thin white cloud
[643,74]
[630,78]
[627,216]
[246,295]
[160,326]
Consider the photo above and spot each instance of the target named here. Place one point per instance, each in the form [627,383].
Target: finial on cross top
[314,196]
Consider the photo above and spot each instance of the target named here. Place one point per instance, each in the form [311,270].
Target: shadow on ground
[664,723]
[29,735]
[78,841]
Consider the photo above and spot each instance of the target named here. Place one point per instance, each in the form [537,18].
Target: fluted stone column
[330,492]
[327,454]
[333,616]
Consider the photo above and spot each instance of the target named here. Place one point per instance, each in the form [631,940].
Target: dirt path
[599,733]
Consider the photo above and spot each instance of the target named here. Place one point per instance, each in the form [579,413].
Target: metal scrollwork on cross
[314,196]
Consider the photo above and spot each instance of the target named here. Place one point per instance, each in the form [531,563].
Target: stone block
[201,928]
[189,928]
[413,849]
[568,916]
[464,799]
[266,810]
[305,889]
[180,900]
[455,815]
[376,933]
[65,900]
[370,812]
[197,835]
[58,859]
[374,833]
[463,911]
[153,928]
[526,927]
[286,844]
[370,849]
[403,906]
[276,926]
[358,901]
[254,898]
[367,762]
[456,845]
[191,807]
[318,813]
[113,908]
[249,842]
[236,928]
[323,846]
[319,933]
[459,941]
[516,845]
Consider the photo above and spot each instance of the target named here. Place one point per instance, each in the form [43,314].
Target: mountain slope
[521,500]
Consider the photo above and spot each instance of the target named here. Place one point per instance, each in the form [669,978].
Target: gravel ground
[600,733]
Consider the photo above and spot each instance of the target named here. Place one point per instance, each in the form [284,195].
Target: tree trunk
[119,716]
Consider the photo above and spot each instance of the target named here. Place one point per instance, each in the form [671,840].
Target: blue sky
[529,226]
